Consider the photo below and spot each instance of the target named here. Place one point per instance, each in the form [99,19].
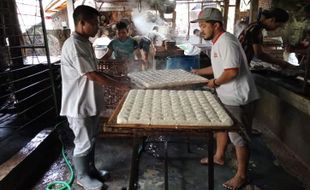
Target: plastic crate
[112,67]
[113,95]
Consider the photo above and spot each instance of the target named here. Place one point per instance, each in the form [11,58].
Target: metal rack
[112,95]
[28,90]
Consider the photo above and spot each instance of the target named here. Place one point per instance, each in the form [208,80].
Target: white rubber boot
[81,165]
[101,175]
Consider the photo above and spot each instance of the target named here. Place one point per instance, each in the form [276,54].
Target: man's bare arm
[107,55]
[105,80]
[227,76]
[203,71]
[262,55]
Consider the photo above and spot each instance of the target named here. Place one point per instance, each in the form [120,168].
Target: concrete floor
[185,172]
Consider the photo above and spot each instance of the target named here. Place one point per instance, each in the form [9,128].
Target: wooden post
[237,11]
[13,33]
[253,10]
[70,9]
[174,16]
[226,6]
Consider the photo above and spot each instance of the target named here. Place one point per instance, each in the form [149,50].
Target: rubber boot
[84,179]
[101,175]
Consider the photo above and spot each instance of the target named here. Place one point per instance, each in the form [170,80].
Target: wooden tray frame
[146,129]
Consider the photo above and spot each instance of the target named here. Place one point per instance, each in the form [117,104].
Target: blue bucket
[186,63]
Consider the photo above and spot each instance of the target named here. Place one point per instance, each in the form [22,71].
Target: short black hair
[215,21]
[155,28]
[121,25]
[280,15]
[84,12]
[196,30]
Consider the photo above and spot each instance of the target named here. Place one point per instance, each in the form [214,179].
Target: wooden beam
[237,11]
[253,10]
[70,9]
[226,6]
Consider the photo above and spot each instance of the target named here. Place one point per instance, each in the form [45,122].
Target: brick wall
[265,4]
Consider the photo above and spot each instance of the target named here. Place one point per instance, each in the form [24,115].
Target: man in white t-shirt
[235,87]
[101,44]
[81,95]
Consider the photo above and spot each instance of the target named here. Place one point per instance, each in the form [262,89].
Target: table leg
[210,161]
[166,165]
[134,170]
[188,145]
[154,65]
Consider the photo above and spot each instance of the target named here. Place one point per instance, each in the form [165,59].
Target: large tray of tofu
[172,108]
[165,78]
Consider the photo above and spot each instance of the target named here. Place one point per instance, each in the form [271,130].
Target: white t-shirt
[80,96]
[101,46]
[227,53]
[156,37]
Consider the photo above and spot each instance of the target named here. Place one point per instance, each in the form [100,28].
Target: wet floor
[184,169]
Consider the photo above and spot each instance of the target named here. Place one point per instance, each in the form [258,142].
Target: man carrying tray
[235,87]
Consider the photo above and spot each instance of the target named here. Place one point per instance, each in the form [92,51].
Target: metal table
[139,132]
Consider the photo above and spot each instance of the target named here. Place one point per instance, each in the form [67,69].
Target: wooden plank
[112,123]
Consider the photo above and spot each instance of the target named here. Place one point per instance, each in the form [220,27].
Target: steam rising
[145,19]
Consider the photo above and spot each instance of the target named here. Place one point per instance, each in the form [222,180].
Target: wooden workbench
[139,132]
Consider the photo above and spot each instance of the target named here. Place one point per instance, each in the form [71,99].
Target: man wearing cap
[235,87]
[251,38]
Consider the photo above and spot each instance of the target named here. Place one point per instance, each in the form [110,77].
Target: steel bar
[23,78]
[210,161]
[48,58]
[166,165]
[134,170]
[34,105]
